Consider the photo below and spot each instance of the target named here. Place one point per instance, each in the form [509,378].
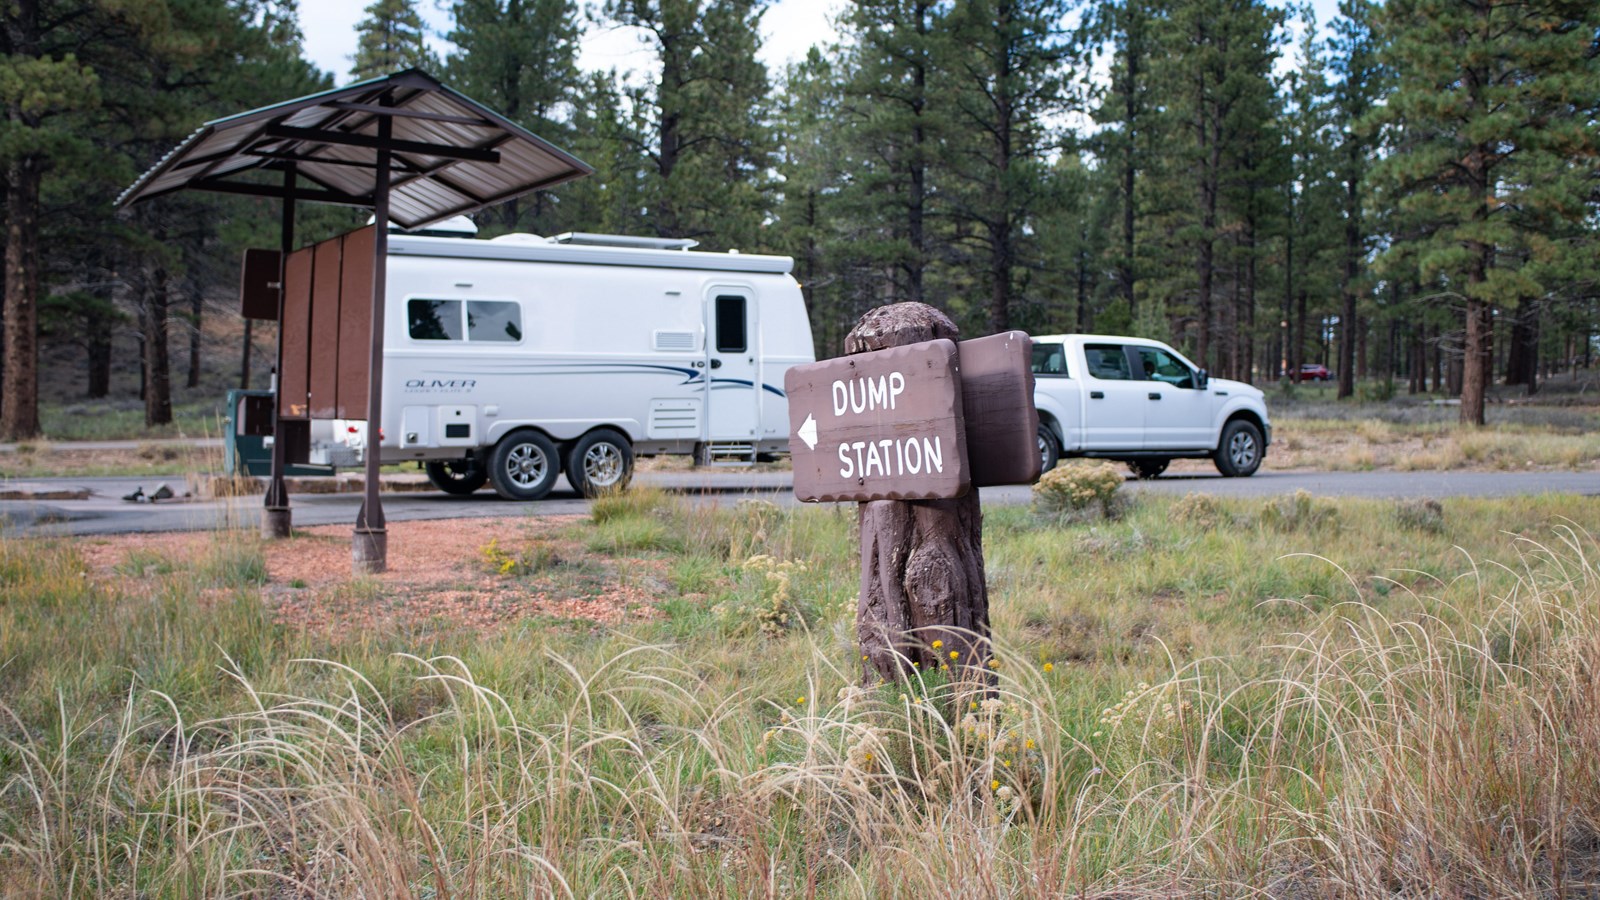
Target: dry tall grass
[1440,737]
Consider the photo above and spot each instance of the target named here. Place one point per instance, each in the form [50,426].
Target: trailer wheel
[1049,450]
[601,461]
[457,476]
[523,466]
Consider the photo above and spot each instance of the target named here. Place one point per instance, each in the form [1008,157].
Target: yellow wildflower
[955,654]
[1049,667]
[938,644]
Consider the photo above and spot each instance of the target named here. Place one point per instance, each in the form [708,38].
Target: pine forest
[1408,194]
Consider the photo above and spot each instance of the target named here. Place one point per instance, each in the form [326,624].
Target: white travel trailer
[514,359]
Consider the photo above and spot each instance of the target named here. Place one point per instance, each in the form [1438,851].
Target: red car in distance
[1314,372]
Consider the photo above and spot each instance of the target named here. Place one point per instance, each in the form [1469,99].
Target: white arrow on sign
[808,432]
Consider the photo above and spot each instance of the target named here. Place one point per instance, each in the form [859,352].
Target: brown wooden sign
[1001,422]
[260,283]
[885,425]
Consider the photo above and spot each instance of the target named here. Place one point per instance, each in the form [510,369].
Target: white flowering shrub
[1079,490]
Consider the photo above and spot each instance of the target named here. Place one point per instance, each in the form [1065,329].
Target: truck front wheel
[457,476]
[523,466]
[601,461]
[1239,452]
[1049,449]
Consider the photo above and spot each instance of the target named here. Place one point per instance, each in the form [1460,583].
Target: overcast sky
[790,28]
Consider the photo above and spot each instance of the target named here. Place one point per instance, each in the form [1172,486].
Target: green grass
[121,421]
[1305,696]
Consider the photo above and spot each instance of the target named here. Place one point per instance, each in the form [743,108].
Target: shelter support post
[369,547]
[276,518]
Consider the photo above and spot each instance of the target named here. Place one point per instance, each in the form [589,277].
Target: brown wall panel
[292,366]
[324,374]
[355,323]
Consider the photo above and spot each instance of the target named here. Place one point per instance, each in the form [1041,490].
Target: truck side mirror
[1201,379]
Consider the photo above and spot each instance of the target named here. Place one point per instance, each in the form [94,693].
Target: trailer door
[733,398]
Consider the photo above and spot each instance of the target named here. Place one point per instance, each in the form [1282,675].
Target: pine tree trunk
[1205,255]
[1001,254]
[19,406]
[1130,100]
[97,340]
[1352,270]
[916,201]
[1249,329]
[922,575]
[1297,344]
[196,307]
[1522,363]
[1475,356]
[1439,362]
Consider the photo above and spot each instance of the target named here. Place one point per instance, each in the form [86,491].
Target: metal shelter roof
[450,155]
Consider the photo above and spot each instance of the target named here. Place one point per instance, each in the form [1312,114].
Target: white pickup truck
[1139,401]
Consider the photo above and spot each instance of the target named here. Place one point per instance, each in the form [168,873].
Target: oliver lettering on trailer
[885,425]
[439,385]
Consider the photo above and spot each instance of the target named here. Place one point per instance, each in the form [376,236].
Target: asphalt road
[104,512]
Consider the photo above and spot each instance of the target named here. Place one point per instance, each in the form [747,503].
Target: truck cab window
[1049,359]
[1160,365]
[494,320]
[1107,362]
[731,337]
[434,320]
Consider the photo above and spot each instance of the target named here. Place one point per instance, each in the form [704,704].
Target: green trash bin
[249,424]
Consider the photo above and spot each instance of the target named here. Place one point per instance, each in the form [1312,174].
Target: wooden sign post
[905,385]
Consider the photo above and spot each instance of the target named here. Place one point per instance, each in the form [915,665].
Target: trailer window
[731,336]
[434,320]
[494,320]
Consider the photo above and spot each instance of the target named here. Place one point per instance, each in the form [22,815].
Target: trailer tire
[1239,452]
[524,466]
[1049,449]
[457,476]
[600,462]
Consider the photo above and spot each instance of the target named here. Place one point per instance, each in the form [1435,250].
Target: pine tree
[703,125]
[891,125]
[392,37]
[1008,87]
[1216,90]
[1128,126]
[1309,191]
[1359,85]
[810,211]
[518,57]
[47,90]
[1486,95]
